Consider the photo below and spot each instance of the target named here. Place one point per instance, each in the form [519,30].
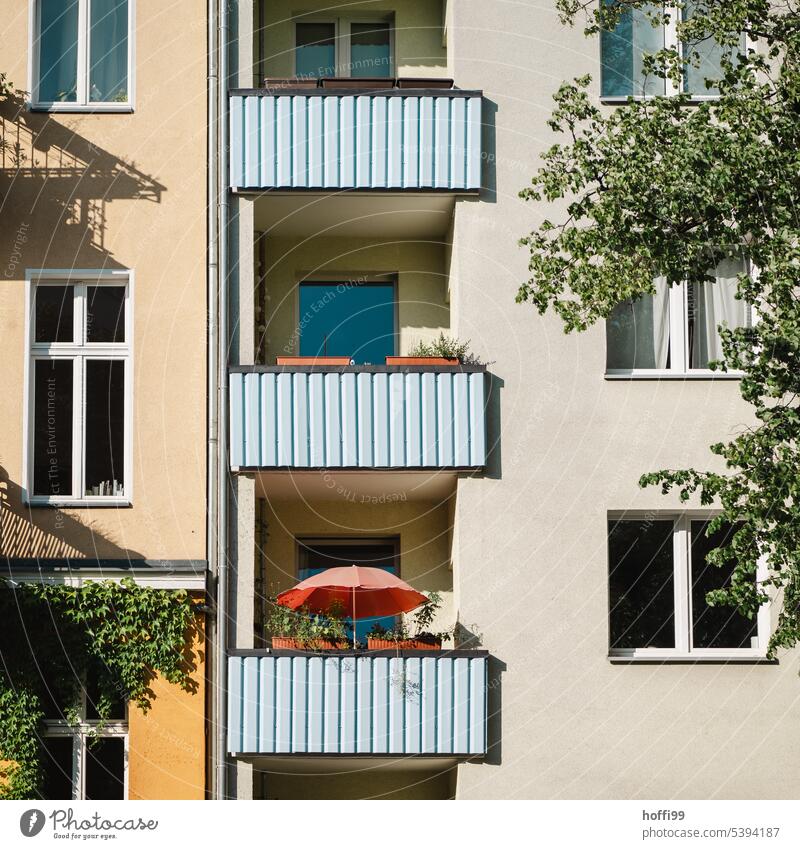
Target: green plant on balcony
[445,347]
[413,633]
[300,629]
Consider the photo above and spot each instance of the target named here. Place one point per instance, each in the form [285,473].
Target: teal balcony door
[346,319]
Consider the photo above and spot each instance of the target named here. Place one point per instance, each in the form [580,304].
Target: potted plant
[300,629]
[313,361]
[418,636]
[444,351]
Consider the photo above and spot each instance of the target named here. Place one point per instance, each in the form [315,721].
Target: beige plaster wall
[531,558]
[117,191]
[421,283]
[418,49]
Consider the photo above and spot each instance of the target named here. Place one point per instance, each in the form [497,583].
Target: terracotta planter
[314,645]
[361,83]
[377,644]
[422,361]
[277,83]
[312,361]
[424,82]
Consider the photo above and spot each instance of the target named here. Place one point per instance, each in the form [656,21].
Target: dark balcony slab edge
[352,190]
[259,369]
[455,653]
[353,92]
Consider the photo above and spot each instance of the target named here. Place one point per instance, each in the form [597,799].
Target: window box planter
[377,644]
[309,645]
[313,361]
[424,82]
[422,361]
[274,83]
[361,83]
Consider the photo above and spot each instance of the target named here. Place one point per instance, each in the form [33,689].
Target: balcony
[358,417]
[380,704]
[323,140]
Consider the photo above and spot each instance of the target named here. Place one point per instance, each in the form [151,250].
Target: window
[317,555]
[343,48]
[658,581]
[84,758]
[675,331]
[82,54]
[79,386]
[622,51]
[347,319]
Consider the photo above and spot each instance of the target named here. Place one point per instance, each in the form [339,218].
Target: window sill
[58,503]
[732,659]
[663,374]
[617,100]
[87,108]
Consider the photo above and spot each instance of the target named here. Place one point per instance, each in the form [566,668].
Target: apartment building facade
[366,216]
[103,304]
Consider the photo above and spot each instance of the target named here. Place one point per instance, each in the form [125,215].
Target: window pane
[637,332]
[715,627]
[58,50]
[108,46]
[317,557]
[105,768]
[92,689]
[370,53]
[105,314]
[347,320]
[622,51]
[711,304]
[710,54]
[315,54]
[57,768]
[641,584]
[105,427]
[54,314]
[52,425]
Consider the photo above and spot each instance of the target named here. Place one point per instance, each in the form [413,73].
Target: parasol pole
[354,609]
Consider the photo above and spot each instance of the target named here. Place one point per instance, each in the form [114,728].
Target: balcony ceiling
[367,487]
[396,216]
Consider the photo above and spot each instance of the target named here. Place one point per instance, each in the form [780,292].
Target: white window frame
[79,352]
[82,102]
[682,585]
[342,27]
[82,733]
[670,89]
[679,344]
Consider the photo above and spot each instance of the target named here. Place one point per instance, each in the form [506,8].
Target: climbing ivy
[55,638]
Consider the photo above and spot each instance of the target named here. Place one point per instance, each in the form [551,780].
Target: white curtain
[637,332]
[713,304]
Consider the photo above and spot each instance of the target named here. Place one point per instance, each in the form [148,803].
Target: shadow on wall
[489,151]
[494,712]
[494,459]
[49,532]
[63,182]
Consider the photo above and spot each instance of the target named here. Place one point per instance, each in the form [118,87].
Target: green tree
[659,186]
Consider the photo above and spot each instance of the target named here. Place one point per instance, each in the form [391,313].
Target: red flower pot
[377,644]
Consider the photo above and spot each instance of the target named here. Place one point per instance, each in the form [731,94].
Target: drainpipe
[216,539]
[221,143]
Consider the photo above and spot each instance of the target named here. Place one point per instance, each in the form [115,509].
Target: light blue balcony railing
[358,417]
[396,140]
[358,704]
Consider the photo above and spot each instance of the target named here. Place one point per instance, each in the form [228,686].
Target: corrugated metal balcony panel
[360,141]
[358,420]
[357,705]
